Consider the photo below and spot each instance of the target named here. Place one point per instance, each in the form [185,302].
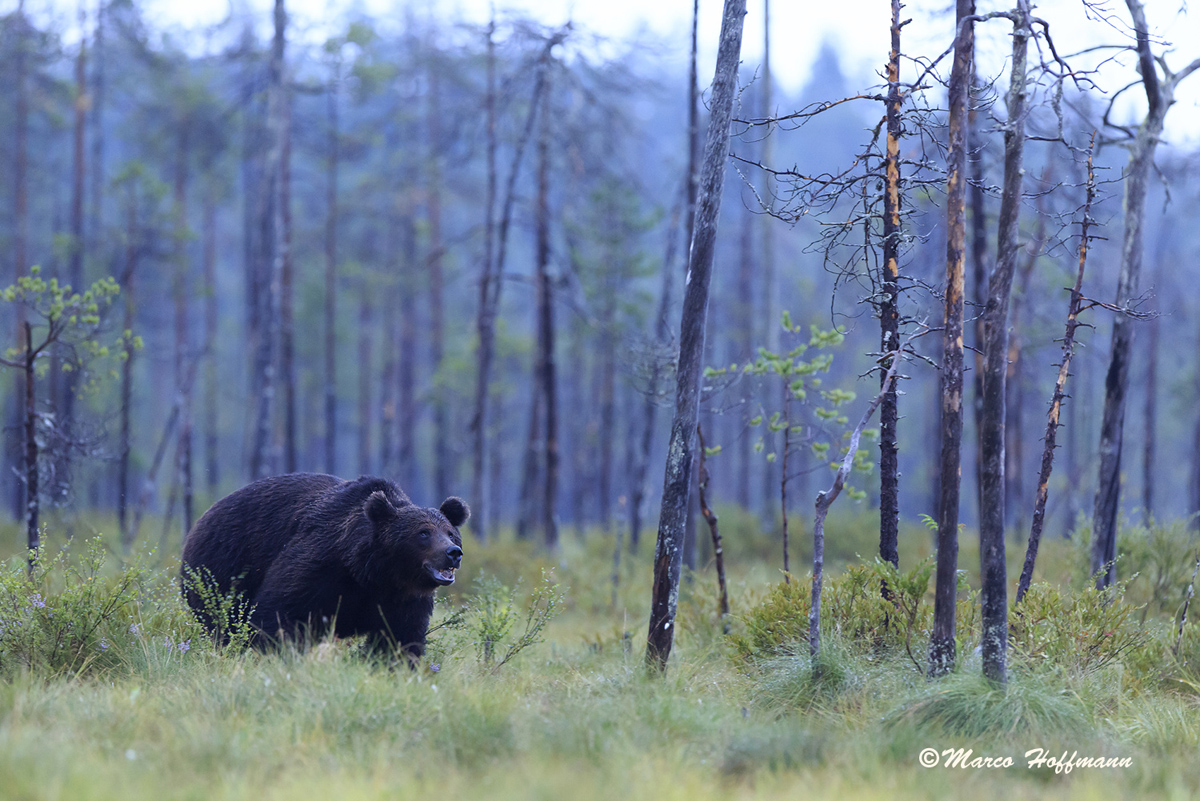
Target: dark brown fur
[314,553]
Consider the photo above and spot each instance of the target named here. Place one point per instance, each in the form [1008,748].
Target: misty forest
[805,430]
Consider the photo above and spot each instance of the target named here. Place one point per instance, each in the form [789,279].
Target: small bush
[225,614]
[1078,630]
[488,620]
[65,618]
[853,608]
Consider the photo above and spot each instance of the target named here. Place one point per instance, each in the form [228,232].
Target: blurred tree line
[444,253]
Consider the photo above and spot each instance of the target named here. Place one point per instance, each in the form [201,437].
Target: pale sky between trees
[798,28]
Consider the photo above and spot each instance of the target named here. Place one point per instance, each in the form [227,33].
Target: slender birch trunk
[669,551]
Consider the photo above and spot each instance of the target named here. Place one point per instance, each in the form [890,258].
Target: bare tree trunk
[768,335]
[331,225]
[484,325]
[1150,423]
[388,384]
[66,402]
[529,497]
[406,374]
[128,290]
[1056,400]
[95,225]
[979,263]
[365,373]
[668,553]
[182,292]
[1014,432]
[492,280]
[994,602]
[825,499]
[441,456]
[718,551]
[650,404]
[783,480]
[32,498]
[287,358]
[212,463]
[20,221]
[1160,95]
[269,253]
[942,650]
[607,398]
[743,349]
[889,312]
[545,301]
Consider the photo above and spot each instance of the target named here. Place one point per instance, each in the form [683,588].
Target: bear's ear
[379,509]
[455,510]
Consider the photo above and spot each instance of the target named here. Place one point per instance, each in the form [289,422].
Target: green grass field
[110,691]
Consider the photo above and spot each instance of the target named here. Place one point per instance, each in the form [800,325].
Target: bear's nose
[455,554]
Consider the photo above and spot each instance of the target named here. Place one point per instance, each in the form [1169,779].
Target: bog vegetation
[493,260]
[535,683]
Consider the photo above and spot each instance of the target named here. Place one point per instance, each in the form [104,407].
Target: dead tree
[825,498]
[668,554]
[331,272]
[1160,95]
[268,254]
[1056,400]
[710,517]
[491,279]
[889,309]
[942,650]
[994,601]
[287,361]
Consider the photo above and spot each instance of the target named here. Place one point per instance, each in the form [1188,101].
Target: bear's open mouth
[443,577]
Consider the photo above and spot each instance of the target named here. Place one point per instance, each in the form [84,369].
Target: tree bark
[979,263]
[331,230]
[365,374]
[492,280]
[269,253]
[437,325]
[287,360]
[718,550]
[825,499]
[483,324]
[1056,400]
[545,301]
[1150,423]
[889,312]
[650,403]
[668,553]
[182,292]
[65,423]
[994,600]
[212,464]
[32,498]
[942,650]
[1160,95]
[128,287]
[20,223]
[406,375]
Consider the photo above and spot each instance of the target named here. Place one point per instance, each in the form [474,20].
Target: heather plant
[66,617]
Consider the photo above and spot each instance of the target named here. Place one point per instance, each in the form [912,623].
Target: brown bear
[314,553]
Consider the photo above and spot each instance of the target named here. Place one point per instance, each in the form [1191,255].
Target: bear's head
[420,546]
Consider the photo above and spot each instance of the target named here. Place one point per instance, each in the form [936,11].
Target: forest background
[454,253]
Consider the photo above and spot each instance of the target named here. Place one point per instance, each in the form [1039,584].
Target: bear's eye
[425,535]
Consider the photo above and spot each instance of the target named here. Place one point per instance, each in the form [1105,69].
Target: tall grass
[577,716]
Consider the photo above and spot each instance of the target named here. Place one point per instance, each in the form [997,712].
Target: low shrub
[63,617]
[1077,630]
